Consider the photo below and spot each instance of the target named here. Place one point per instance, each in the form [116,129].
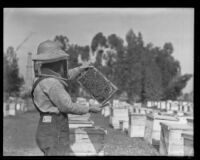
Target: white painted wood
[152,127]
[12,111]
[106,111]
[136,125]
[190,121]
[171,140]
[188,143]
[83,142]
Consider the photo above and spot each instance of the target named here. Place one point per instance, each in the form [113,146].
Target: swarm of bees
[94,82]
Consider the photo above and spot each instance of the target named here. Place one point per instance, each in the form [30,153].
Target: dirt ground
[19,138]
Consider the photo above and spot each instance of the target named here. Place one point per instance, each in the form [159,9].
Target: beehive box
[12,109]
[115,122]
[106,111]
[96,84]
[163,105]
[79,117]
[5,109]
[171,140]
[124,125]
[190,121]
[80,123]
[188,143]
[152,127]
[136,125]
[87,141]
[121,113]
[183,119]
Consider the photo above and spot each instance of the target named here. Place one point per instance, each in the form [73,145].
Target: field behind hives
[19,138]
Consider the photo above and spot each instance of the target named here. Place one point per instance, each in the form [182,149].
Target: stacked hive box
[87,141]
[171,140]
[137,120]
[85,138]
[76,121]
[152,127]
[188,143]
[117,115]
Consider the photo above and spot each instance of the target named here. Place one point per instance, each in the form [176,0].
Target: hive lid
[89,130]
[79,117]
[176,126]
[162,117]
[81,122]
[188,134]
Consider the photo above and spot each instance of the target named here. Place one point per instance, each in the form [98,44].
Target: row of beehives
[86,139]
[173,134]
[172,105]
[14,108]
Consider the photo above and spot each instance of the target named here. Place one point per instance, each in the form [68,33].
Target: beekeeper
[52,100]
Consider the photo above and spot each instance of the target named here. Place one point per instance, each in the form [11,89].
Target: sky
[80,25]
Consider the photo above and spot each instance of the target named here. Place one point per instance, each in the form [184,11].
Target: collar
[50,73]
[47,71]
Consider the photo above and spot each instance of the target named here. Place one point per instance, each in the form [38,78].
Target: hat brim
[51,56]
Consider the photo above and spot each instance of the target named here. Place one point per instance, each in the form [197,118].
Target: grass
[19,138]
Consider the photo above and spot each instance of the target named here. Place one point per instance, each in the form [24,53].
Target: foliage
[144,72]
[12,80]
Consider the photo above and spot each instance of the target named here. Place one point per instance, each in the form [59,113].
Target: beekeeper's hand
[75,72]
[97,108]
[85,66]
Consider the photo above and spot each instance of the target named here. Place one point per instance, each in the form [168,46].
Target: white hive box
[5,109]
[183,119]
[87,141]
[190,121]
[136,125]
[114,122]
[153,128]
[171,140]
[123,125]
[12,110]
[117,115]
[115,103]
[174,106]
[149,104]
[107,111]
[188,143]
[163,105]
[76,121]
[120,113]
[168,105]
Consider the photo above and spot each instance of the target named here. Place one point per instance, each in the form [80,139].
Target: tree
[12,80]
[174,90]
[63,40]
[142,72]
